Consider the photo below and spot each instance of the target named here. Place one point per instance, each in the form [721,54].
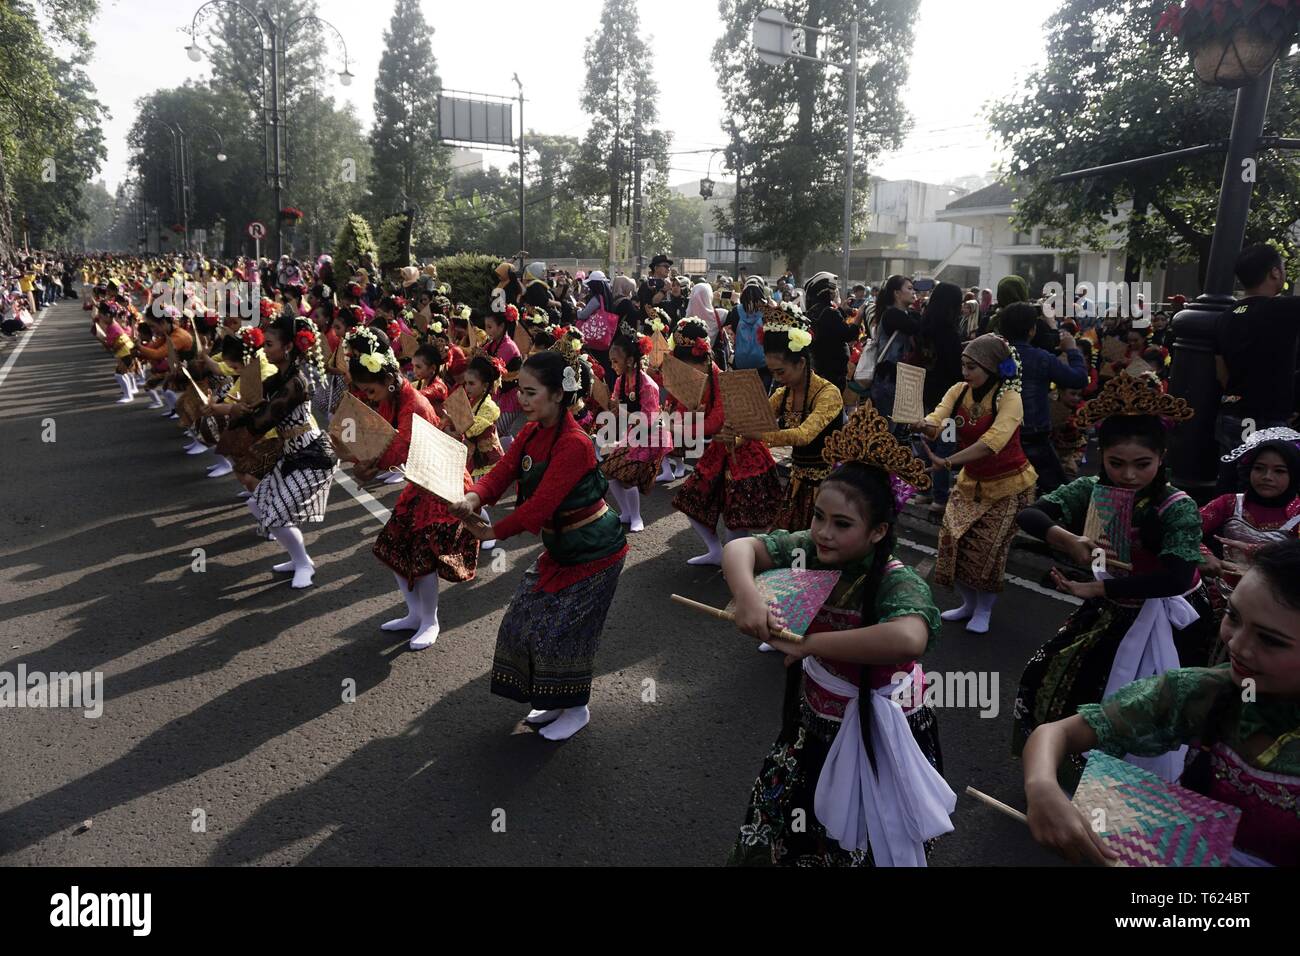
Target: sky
[966,53]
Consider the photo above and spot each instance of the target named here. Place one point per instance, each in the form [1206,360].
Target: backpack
[871,352]
[748,352]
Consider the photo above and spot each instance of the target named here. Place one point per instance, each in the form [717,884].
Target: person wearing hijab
[1011,289]
[986,311]
[537,290]
[1267,511]
[600,300]
[701,307]
[984,413]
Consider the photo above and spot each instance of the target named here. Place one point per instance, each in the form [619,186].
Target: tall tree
[1111,92]
[790,118]
[51,143]
[621,97]
[409,166]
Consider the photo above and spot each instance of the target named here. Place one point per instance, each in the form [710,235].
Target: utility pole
[522,233]
[277,180]
[737,155]
[636,199]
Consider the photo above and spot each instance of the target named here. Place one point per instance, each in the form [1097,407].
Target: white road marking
[1010,578]
[18,349]
[368,501]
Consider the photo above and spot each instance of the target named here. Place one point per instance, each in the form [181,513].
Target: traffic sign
[256,230]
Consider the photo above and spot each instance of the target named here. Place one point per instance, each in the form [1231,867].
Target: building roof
[999,194]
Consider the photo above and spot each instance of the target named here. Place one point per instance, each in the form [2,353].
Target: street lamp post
[275,37]
[774,43]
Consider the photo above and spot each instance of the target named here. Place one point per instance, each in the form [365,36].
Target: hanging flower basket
[290,214]
[1232,42]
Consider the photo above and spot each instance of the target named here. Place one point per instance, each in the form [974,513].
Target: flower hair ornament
[570,381]
[304,339]
[788,320]
[1126,395]
[569,347]
[365,345]
[866,438]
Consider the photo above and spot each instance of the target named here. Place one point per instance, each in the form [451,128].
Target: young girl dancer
[481,381]
[422,541]
[849,782]
[297,488]
[1269,509]
[631,467]
[1239,720]
[733,480]
[546,646]
[1133,624]
[985,413]
[501,345]
[808,410]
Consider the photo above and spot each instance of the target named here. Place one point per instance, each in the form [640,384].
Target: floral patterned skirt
[712,491]
[775,833]
[422,538]
[975,539]
[795,511]
[1073,667]
[618,465]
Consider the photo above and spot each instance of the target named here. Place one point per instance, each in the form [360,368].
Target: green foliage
[684,223]
[470,276]
[1108,93]
[791,117]
[393,251]
[411,167]
[354,241]
[1196,21]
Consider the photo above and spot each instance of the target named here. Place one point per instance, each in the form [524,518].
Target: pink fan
[796,595]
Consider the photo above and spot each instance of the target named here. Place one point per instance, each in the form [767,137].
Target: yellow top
[266,369]
[486,416]
[827,405]
[26,282]
[1010,416]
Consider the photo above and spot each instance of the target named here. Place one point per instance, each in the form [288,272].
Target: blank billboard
[484,122]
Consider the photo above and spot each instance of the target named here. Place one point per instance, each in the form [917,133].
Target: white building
[997,249]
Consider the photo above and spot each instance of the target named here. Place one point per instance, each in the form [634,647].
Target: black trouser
[1042,455]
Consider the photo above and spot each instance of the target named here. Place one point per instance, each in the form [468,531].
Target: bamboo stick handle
[782,634]
[997,805]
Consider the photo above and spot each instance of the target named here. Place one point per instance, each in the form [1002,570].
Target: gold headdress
[569,347]
[866,438]
[777,318]
[1126,395]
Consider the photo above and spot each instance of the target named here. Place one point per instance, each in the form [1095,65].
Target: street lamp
[774,42]
[276,37]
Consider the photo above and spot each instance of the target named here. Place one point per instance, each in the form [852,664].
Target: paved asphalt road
[224,689]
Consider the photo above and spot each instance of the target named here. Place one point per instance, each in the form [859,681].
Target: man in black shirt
[1255,355]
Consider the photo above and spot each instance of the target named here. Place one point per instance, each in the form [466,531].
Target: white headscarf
[701,307]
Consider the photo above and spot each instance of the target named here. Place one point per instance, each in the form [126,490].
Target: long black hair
[1149,432]
[777,342]
[869,488]
[885,299]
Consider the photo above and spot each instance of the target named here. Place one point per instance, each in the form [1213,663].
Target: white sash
[1146,650]
[898,807]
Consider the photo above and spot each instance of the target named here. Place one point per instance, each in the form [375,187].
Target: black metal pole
[636,201]
[185,205]
[522,232]
[1193,448]
[278,182]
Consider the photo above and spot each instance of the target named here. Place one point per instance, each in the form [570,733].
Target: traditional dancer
[735,479]
[501,345]
[1240,721]
[297,488]
[984,413]
[632,465]
[808,410]
[422,541]
[1269,509]
[1132,625]
[118,343]
[848,783]
[546,645]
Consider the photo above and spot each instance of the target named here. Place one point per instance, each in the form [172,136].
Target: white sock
[570,721]
[665,471]
[714,553]
[412,620]
[426,596]
[491,544]
[616,492]
[245,494]
[253,509]
[766,648]
[679,468]
[155,400]
[542,716]
[979,622]
[967,604]
[290,539]
[197,448]
[170,398]
[126,389]
[223,467]
[632,498]
[130,383]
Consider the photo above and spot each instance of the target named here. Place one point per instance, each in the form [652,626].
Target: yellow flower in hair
[465,313]
[799,339]
[435,328]
[372,362]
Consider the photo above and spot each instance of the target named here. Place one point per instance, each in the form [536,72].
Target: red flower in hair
[499,365]
[355,290]
[512,314]
[598,370]
[304,340]
[399,302]
[394,331]
[267,308]
[253,338]
[643,344]
[700,348]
